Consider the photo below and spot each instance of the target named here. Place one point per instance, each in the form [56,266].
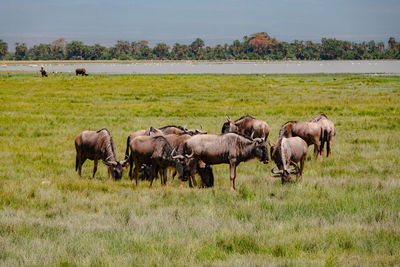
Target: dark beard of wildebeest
[230,148]
[81,71]
[310,132]
[154,151]
[248,126]
[289,152]
[329,132]
[95,145]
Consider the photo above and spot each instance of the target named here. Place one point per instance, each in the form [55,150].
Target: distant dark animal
[310,132]
[248,126]
[230,148]
[43,72]
[289,152]
[95,145]
[154,151]
[81,71]
[329,132]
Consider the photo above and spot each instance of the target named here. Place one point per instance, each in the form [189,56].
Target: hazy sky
[215,21]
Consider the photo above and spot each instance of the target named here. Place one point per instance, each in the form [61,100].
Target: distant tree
[21,51]
[76,50]
[180,51]
[3,49]
[60,43]
[161,51]
[196,48]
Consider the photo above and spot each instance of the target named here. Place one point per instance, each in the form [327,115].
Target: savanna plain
[346,211]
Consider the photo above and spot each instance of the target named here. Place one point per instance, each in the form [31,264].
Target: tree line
[258,46]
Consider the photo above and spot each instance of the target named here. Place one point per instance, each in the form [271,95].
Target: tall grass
[346,211]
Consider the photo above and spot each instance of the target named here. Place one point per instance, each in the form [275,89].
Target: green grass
[346,211]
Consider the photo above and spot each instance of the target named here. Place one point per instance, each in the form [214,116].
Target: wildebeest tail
[322,139]
[127,147]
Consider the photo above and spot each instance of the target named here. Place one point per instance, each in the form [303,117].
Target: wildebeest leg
[95,167]
[136,173]
[316,150]
[302,160]
[192,173]
[80,163]
[154,173]
[173,177]
[130,167]
[164,177]
[232,167]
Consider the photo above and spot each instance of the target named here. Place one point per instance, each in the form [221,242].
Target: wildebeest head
[116,168]
[261,150]
[146,170]
[229,126]
[285,174]
[195,131]
[184,161]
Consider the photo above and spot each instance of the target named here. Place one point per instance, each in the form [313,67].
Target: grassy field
[346,211]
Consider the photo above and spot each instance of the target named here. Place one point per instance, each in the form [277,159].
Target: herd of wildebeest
[151,152]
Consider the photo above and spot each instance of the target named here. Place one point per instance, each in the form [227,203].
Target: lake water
[193,67]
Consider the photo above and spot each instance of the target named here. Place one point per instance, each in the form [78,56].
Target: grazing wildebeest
[247,125]
[329,132]
[43,72]
[205,171]
[230,148]
[81,71]
[95,145]
[289,151]
[154,151]
[311,132]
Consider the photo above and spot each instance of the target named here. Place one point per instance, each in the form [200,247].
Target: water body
[193,67]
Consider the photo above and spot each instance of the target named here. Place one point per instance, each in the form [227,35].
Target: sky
[182,21]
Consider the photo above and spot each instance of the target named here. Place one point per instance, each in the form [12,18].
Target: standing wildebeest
[288,152]
[154,151]
[230,148]
[329,132]
[247,125]
[95,145]
[43,72]
[311,132]
[81,71]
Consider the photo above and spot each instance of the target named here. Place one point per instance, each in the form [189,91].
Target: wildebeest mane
[319,117]
[245,117]
[159,137]
[242,135]
[111,141]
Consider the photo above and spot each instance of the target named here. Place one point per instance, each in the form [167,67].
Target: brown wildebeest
[173,129]
[230,148]
[329,132]
[81,71]
[43,72]
[204,170]
[290,151]
[95,145]
[311,132]
[154,151]
[247,125]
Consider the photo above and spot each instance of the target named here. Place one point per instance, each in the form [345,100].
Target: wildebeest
[311,132]
[329,132]
[95,145]
[247,125]
[205,171]
[289,151]
[154,151]
[43,72]
[81,71]
[173,129]
[230,148]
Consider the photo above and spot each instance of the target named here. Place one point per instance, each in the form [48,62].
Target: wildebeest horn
[228,118]
[124,162]
[110,163]
[252,134]
[294,163]
[276,172]
[189,156]
[269,143]
[292,171]
[177,156]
